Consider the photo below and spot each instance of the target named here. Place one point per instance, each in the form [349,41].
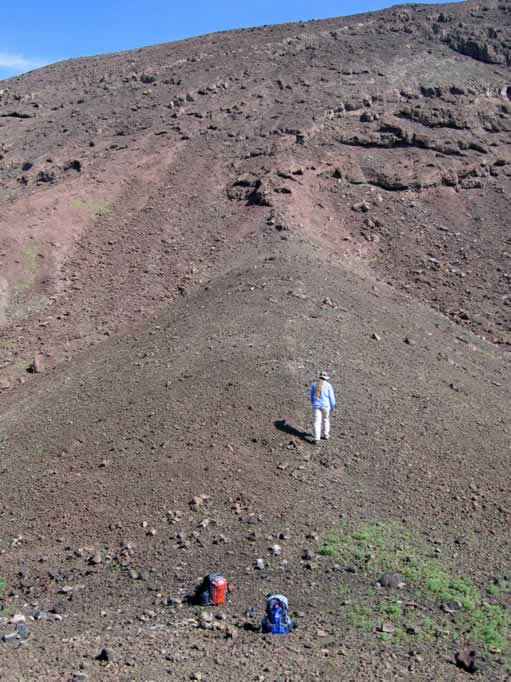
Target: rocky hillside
[188,233]
[127,179]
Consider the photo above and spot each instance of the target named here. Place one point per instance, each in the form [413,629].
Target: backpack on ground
[276,620]
[212,590]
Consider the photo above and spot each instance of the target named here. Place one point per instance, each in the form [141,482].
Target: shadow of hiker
[282,425]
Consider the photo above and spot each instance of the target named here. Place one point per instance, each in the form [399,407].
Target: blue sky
[38,32]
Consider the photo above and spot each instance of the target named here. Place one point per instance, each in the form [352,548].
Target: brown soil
[203,226]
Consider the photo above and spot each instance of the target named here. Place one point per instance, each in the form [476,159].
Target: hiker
[322,399]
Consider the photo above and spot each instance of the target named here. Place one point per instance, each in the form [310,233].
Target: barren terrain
[189,232]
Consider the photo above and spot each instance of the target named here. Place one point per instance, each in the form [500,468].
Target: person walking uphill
[322,399]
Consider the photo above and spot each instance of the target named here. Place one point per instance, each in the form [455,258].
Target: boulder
[4,383]
[466,660]
[392,579]
[361,207]
[106,655]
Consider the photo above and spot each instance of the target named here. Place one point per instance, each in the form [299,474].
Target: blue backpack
[276,620]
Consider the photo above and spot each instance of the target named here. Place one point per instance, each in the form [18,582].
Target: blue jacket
[326,397]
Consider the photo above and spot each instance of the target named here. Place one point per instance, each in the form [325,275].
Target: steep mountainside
[188,233]
[385,137]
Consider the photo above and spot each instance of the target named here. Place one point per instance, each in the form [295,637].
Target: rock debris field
[189,233]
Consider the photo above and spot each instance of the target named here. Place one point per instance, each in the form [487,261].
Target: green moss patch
[437,605]
[96,207]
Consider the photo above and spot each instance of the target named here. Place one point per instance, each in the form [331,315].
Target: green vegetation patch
[437,605]
[499,587]
[22,365]
[29,258]
[7,611]
[30,253]
[97,207]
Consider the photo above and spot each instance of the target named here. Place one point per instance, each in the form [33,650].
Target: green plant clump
[98,207]
[443,605]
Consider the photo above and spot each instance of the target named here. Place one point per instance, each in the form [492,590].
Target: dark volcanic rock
[105,655]
[466,659]
[392,579]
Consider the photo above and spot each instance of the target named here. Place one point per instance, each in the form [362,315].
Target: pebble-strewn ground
[188,233]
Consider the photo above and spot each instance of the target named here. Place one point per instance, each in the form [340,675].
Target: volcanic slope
[189,233]
[210,399]
[385,136]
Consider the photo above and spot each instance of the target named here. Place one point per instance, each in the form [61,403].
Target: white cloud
[18,63]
